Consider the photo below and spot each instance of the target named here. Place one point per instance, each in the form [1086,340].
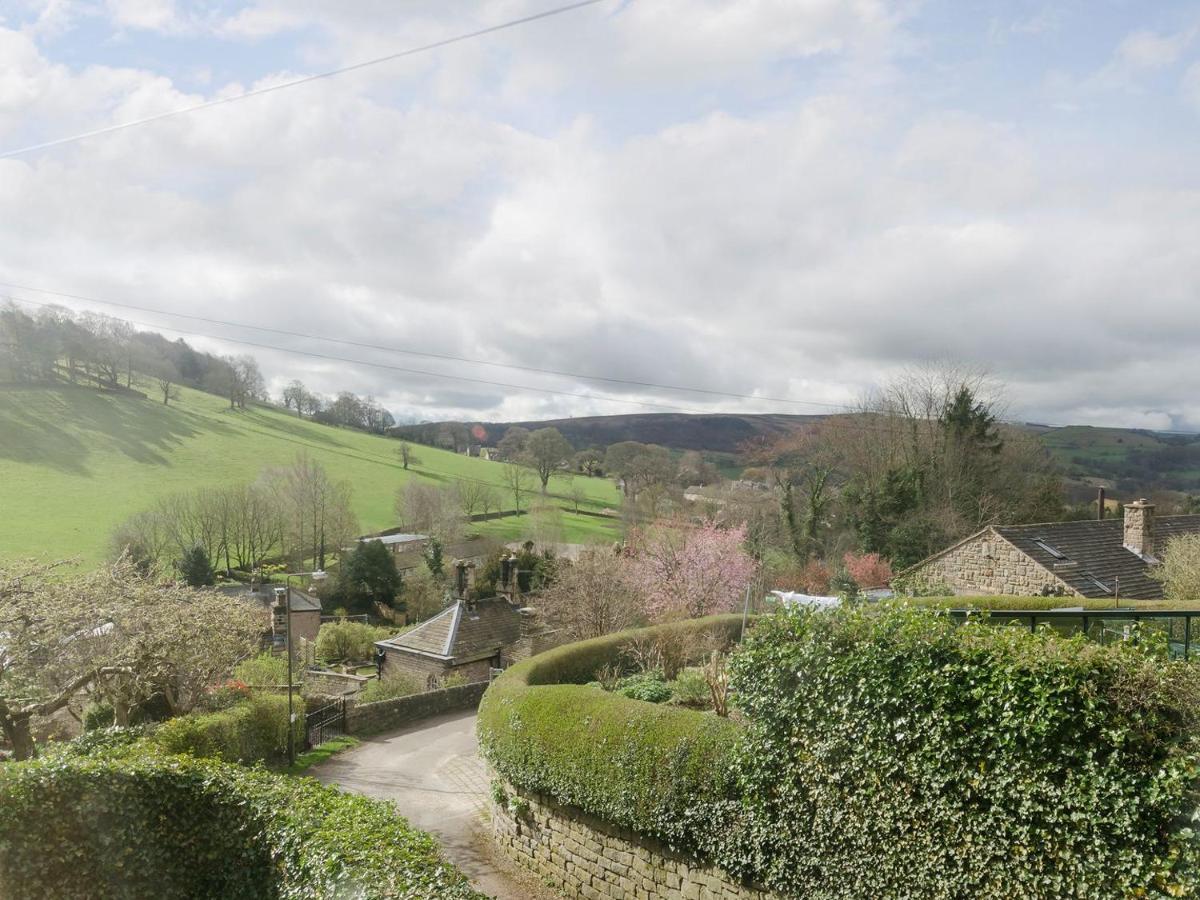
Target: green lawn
[74,463]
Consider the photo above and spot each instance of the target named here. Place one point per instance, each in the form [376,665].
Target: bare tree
[408,456]
[593,596]
[429,509]
[577,494]
[518,479]
[472,494]
[293,397]
[317,513]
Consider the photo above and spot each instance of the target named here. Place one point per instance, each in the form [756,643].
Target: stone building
[469,638]
[1096,558]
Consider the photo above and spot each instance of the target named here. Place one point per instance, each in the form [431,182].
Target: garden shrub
[648,686]
[690,688]
[349,641]
[251,731]
[391,687]
[658,769]
[888,749]
[263,671]
[98,715]
[149,826]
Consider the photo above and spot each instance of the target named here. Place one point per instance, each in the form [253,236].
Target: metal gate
[327,722]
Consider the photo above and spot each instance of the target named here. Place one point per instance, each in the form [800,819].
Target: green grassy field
[75,462]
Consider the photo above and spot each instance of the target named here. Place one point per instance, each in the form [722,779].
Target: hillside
[1128,461]
[724,433]
[74,462]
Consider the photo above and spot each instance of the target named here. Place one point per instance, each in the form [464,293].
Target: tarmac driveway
[433,773]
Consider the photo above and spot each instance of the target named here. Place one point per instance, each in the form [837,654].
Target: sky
[784,199]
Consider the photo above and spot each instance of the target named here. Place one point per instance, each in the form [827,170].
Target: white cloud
[489,203]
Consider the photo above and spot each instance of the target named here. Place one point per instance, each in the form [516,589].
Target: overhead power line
[426,354]
[307,79]
[379,365]
[831,423]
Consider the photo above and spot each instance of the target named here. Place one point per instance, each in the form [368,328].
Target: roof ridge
[421,627]
[452,633]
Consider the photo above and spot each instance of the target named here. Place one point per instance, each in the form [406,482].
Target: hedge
[654,768]
[254,730]
[135,825]
[886,753]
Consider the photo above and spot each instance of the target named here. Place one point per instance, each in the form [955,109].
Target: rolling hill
[723,433]
[74,462]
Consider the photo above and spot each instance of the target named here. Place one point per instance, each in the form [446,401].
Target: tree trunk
[17,732]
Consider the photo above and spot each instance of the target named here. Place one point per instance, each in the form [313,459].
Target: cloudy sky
[778,198]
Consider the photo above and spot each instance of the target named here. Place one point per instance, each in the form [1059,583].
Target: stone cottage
[471,637]
[1097,558]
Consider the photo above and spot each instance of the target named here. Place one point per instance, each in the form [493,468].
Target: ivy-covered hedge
[887,753]
[660,770]
[130,824]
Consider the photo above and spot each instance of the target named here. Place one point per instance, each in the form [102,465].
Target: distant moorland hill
[1129,462]
[718,432]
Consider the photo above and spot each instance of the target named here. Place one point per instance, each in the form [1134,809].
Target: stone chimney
[1139,528]
[508,587]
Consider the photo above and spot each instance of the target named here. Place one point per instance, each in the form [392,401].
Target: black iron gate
[327,722]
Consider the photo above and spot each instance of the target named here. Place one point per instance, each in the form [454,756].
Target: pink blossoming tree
[868,570]
[690,572]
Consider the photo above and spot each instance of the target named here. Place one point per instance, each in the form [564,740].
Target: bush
[152,827]
[390,687]
[886,753]
[98,715]
[690,688]
[252,731]
[349,641]
[263,671]
[889,749]
[658,769]
[649,687]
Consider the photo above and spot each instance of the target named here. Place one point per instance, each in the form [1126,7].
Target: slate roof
[1095,555]
[462,633]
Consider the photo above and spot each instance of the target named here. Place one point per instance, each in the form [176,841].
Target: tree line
[58,345]
[296,513]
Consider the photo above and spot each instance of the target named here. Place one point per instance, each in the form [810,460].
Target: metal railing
[327,722]
[1104,625]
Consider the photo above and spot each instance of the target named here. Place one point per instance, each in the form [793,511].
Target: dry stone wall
[385,715]
[584,857]
[988,564]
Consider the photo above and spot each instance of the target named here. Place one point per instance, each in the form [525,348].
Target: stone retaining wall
[333,684]
[584,857]
[385,715]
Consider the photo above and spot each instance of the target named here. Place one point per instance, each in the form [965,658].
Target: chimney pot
[1139,528]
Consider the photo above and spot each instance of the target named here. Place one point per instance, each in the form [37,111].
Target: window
[1053,551]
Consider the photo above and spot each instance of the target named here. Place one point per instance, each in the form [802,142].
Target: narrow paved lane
[434,774]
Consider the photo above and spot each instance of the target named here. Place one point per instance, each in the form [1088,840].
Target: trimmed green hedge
[132,825]
[252,731]
[887,753]
[657,769]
